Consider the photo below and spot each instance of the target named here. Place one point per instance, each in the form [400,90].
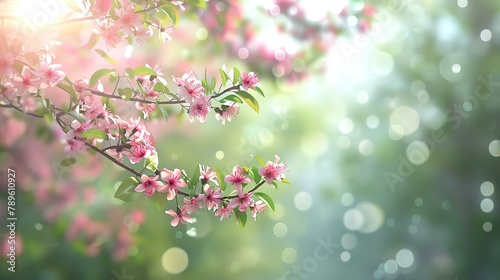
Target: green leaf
[259,90]
[249,99]
[220,179]
[159,200]
[151,163]
[236,75]
[93,40]
[77,116]
[223,77]
[129,72]
[48,117]
[68,162]
[69,89]
[162,111]
[260,160]
[196,177]
[143,71]
[126,192]
[94,133]
[159,87]
[125,93]
[241,217]
[256,175]
[199,3]
[275,185]
[231,97]
[172,13]
[105,55]
[286,181]
[99,74]
[267,199]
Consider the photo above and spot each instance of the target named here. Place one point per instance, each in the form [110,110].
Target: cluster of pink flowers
[211,195]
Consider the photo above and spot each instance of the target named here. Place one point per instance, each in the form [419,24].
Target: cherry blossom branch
[20,110]
[137,174]
[252,190]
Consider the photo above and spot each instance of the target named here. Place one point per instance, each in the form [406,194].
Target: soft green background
[333,129]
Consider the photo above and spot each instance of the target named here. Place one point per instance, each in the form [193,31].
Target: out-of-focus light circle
[494,148]
[347,199]
[38,226]
[278,70]
[391,266]
[280,229]
[487,227]
[219,155]
[417,86]
[417,152]
[344,142]
[315,10]
[396,132]
[349,241]
[201,33]
[175,260]
[243,53]
[353,219]
[446,205]
[487,205]
[303,201]
[352,21]
[405,258]
[462,3]
[279,54]
[346,125]
[362,97]
[416,219]
[487,188]
[485,35]
[377,274]
[413,229]
[129,50]
[381,63]
[345,256]
[373,216]
[423,96]
[456,68]
[299,64]
[390,222]
[405,117]
[274,10]
[419,202]
[372,121]
[289,255]
[365,147]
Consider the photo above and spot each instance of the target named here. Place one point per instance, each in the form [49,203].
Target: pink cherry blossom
[142,34]
[237,178]
[192,205]
[148,185]
[6,61]
[26,82]
[179,218]
[189,87]
[229,109]
[128,20]
[101,8]
[78,128]
[50,75]
[74,146]
[111,37]
[146,108]
[273,171]
[243,201]
[207,175]
[211,198]
[259,207]
[200,108]
[173,182]
[166,34]
[224,212]
[140,150]
[249,80]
